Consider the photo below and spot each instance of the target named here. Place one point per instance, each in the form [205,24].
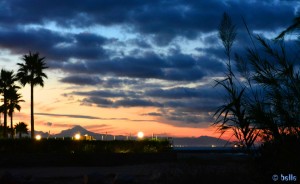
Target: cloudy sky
[123,66]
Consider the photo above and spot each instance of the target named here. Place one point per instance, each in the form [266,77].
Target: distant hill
[79,129]
[72,131]
[182,141]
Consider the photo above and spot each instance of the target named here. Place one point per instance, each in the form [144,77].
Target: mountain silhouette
[72,131]
[79,129]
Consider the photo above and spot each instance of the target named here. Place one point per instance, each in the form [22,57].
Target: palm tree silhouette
[7,80]
[1,111]
[20,128]
[31,72]
[14,98]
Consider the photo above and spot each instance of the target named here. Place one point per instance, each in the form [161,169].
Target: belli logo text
[284,177]
[289,177]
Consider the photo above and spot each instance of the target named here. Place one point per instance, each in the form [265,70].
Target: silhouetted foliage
[294,27]
[2,130]
[7,80]
[31,72]
[14,98]
[278,78]
[59,152]
[263,96]
[227,33]
[70,146]
[21,128]
[233,115]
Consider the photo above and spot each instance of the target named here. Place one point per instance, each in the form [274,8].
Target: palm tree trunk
[5,118]
[11,126]
[31,106]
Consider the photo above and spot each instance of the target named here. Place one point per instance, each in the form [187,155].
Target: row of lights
[77,136]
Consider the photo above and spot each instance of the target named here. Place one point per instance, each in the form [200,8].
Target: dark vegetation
[83,146]
[31,72]
[53,152]
[262,99]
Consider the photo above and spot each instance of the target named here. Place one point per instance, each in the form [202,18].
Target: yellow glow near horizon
[140,135]
[77,136]
[38,137]
[114,121]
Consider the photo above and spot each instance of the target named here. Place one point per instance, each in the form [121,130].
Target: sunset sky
[123,66]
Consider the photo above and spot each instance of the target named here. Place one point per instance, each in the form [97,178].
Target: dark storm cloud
[81,80]
[108,93]
[160,20]
[90,40]
[192,112]
[152,114]
[89,58]
[68,115]
[54,45]
[268,16]
[189,118]
[206,105]
[178,106]
[86,79]
[181,92]
[21,40]
[137,103]
[182,118]
[84,117]
[101,102]
[163,20]
[125,102]
[120,82]
[177,67]
[204,99]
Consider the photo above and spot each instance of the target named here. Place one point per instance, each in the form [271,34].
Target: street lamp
[140,135]
[38,137]
[77,136]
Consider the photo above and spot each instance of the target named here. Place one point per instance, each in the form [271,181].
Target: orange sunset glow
[55,111]
[115,121]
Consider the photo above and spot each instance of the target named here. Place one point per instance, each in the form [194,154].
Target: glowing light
[38,137]
[77,136]
[140,135]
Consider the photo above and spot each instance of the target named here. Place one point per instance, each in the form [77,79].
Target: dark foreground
[147,161]
[170,167]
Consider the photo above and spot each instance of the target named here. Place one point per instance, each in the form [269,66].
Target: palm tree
[7,80]
[2,129]
[31,72]
[20,128]
[14,98]
[1,111]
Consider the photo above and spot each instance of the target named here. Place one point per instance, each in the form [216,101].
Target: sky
[120,67]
